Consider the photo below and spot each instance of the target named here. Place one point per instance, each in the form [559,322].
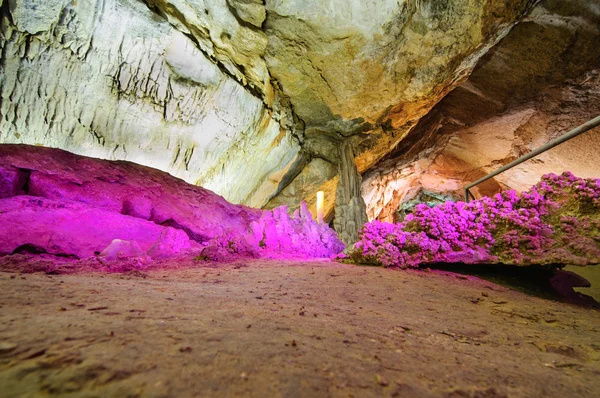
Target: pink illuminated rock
[170,241]
[556,222]
[68,229]
[278,235]
[120,249]
[62,204]
[120,187]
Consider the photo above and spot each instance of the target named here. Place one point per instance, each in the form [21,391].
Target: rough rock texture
[113,79]
[429,198]
[318,175]
[340,60]
[372,69]
[278,235]
[123,188]
[350,209]
[236,95]
[555,223]
[67,205]
[540,81]
[281,236]
[70,229]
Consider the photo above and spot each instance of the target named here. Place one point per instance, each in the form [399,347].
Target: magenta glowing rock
[171,241]
[121,187]
[278,235]
[555,223]
[66,205]
[71,229]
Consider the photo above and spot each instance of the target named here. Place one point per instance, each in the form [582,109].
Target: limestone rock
[223,93]
[429,198]
[69,229]
[350,209]
[171,241]
[250,11]
[226,31]
[67,205]
[299,236]
[317,175]
[46,14]
[244,96]
[278,235]
[115,80]
[123,188]
[553,224]
[358,59]
[563,282]
[120,249]
[528,90]
[373,69]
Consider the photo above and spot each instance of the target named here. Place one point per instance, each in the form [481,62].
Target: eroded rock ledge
[540,81]
[115,80]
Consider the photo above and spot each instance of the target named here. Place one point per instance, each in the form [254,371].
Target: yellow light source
[320,206]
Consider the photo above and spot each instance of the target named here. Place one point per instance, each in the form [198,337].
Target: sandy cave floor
[305,329]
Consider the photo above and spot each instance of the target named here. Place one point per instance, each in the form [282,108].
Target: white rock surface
[120,249]
[110,79]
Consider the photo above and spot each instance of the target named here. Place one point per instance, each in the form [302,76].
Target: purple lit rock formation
[555,223]
[278,235]
[66,205]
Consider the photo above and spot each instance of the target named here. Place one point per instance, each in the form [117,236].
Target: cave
[292,198]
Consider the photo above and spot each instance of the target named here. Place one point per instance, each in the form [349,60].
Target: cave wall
[539,82]
[114,79]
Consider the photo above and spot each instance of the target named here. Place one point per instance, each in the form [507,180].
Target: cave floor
[294,329]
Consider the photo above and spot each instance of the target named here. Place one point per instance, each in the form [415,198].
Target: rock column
[350,208]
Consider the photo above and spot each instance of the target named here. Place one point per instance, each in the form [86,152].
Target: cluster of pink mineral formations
[555,223]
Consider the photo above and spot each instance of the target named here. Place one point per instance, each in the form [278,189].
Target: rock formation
[555,223]
[278,235]
[540,81]
[350,209]
[252,99]
[371,70]
[114,79]
[70,206]
[239,96]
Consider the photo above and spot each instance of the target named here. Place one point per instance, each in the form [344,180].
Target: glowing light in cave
[320,206]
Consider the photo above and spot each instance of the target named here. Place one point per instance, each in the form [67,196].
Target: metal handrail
[571,134]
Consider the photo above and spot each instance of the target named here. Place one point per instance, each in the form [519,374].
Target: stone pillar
[350,208]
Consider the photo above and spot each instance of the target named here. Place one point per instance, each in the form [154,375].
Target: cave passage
[261,198]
